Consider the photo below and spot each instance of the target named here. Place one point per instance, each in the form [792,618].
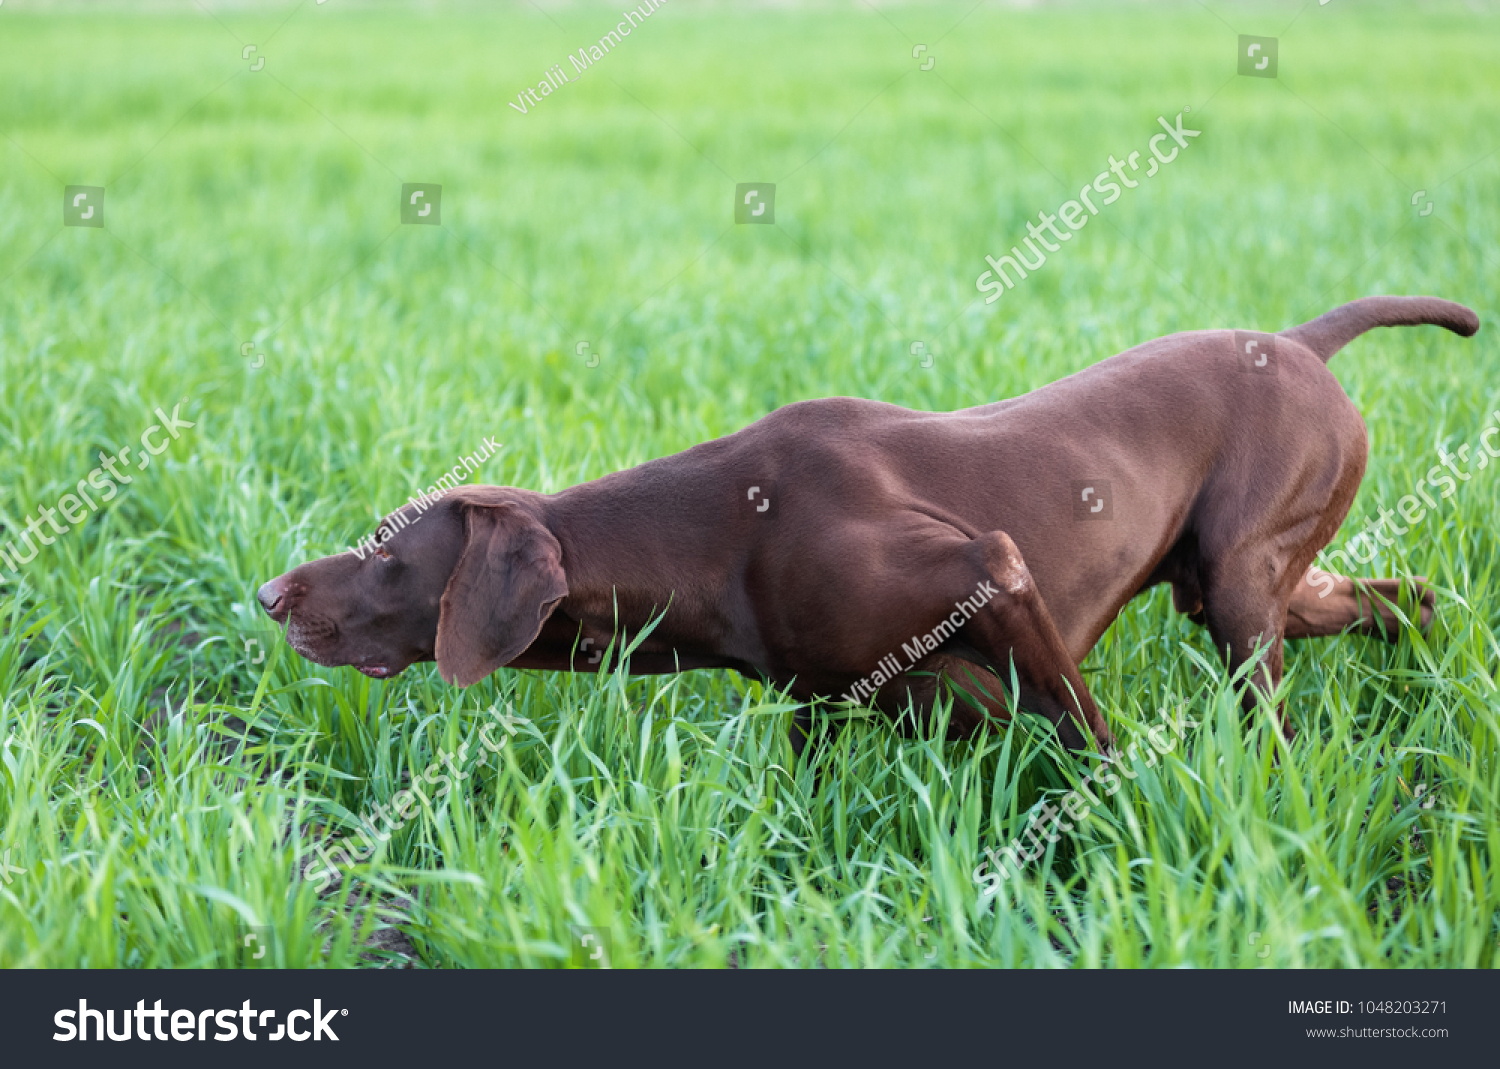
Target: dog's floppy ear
[507,582]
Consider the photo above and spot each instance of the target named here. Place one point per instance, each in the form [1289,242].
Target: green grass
[162,798]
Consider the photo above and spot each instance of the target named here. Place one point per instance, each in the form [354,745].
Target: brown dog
[852,549]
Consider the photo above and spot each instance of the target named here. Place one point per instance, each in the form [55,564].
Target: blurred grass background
[161,795]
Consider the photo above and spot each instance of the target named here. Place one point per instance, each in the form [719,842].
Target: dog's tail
[1333,330]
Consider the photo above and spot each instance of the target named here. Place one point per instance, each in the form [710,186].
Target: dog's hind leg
[1324,605]
[1246,592]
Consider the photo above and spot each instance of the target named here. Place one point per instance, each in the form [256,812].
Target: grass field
[162,794]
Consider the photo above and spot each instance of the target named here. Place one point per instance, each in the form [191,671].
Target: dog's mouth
[322,642]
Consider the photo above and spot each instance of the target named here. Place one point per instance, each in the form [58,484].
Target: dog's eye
[381,554]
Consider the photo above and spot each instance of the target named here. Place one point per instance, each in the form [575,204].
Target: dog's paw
[1428,602]
[1378,616]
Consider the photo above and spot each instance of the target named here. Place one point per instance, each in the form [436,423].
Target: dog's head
[468,583]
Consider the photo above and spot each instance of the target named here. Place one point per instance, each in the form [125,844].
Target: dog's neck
[610,579]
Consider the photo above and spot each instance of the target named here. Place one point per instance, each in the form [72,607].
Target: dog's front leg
[976,694]
[1014,624]
[991,614]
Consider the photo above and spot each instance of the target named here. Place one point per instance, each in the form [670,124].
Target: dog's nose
[272,594]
